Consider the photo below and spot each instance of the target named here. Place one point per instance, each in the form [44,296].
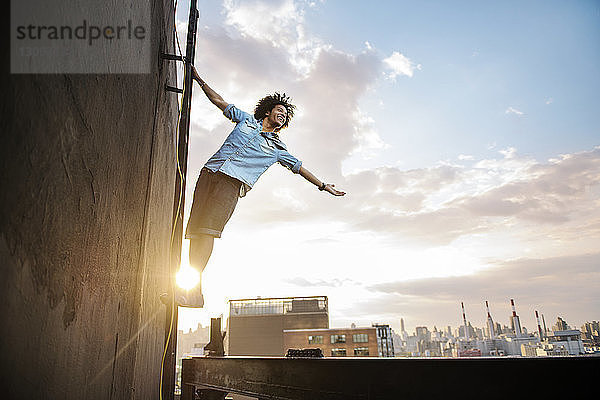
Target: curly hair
[267,103]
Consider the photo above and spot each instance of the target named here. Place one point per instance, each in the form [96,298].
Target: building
[542,350]
[410,346]
[590,335]
[561,343]
[468,333]
[256,327]
[591,329]
[513,344]
[423,333]
[491,347]
[385,343]
[429,348]
[374,341]
[192,343]
[352,342]
[561,325]
[569,340]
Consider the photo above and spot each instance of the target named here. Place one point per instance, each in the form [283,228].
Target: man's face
[278,115]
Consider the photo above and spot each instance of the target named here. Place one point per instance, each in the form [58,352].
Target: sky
[466,135]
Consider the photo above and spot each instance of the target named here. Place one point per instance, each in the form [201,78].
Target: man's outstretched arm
[213,96]
[306,174]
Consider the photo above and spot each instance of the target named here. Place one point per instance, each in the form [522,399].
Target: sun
[187,277]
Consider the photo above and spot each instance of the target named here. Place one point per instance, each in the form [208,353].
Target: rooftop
[278,306]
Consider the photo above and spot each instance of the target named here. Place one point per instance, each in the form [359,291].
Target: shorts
[215,197]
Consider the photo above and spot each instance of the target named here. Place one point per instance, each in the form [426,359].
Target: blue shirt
[248,151]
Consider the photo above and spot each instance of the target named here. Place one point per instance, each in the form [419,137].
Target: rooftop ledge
[350,378]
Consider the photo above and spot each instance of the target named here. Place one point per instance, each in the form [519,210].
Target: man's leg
[201,247]
[200,250]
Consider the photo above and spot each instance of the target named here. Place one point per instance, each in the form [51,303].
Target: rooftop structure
[569,339]
[278,306]
[255,326]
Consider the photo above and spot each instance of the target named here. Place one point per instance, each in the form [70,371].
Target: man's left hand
[330,188]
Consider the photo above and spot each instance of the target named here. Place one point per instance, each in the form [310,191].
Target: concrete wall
[87,185]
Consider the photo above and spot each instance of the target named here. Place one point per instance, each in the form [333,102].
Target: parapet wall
[87,188]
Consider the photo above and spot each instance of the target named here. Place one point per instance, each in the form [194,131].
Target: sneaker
[192,299]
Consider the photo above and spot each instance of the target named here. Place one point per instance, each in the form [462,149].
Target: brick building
[344,342]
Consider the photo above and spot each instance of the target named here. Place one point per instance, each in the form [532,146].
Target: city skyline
[252,321]
[465,135]
[478,321]
[550,323]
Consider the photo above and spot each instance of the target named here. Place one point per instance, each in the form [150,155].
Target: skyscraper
[560,325]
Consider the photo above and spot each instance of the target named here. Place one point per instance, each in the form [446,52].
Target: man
[251,148]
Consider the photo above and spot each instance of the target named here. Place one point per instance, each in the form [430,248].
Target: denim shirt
[248,151]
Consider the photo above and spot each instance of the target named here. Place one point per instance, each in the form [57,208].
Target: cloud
[555,286]
[329,99]
[273,21]
[513,196]
[398,64]
[512,110]
[279,23]
[299,281]
[508,153]
[369,143]
[517,277]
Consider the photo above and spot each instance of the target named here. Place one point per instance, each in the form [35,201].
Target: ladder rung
[175,57]
[173,89]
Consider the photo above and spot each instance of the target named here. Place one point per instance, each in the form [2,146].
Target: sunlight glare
[187,277]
